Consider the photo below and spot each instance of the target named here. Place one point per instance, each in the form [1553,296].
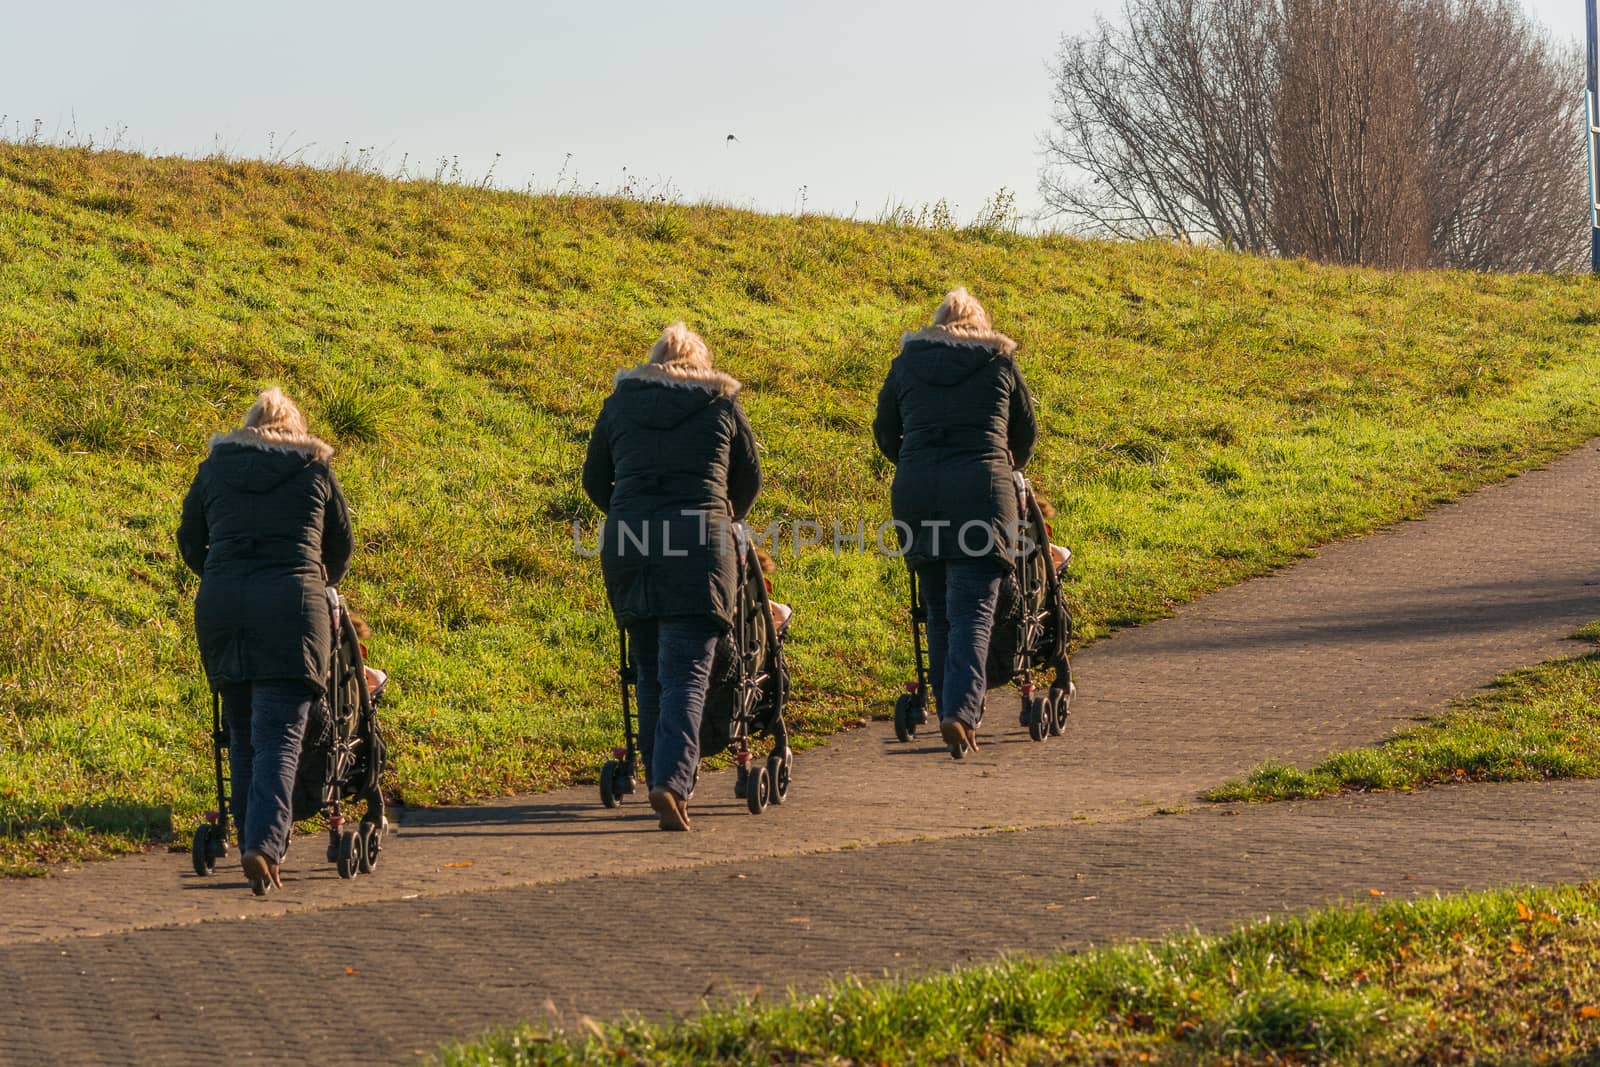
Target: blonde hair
[680,348]
[960,312]
[275,417]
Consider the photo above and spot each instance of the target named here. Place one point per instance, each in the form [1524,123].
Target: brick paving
[887,856]
[388,981]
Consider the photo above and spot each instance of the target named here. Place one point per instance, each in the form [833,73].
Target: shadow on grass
[114,815]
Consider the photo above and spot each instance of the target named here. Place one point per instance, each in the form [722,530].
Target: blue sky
[862,103]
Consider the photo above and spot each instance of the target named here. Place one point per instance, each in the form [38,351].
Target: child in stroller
[376,680]
[1032,632]
[781,613]
[749,689]
[341,759]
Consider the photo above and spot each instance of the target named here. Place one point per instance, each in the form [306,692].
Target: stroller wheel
[608,783]
[741,783]
[778,776]
[1060,710]
[905,718]
[202,852]
[351,854]
[371,844]
[758,791]
[1039,716]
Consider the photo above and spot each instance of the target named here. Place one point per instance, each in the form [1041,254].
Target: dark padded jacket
[955,418]
[267,529]
[673,465]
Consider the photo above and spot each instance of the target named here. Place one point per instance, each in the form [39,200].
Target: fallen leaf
[1516,946]
[1053,906]
[351,970]
[1377,892]
[1589,1011]
[463,863]
[1524,912]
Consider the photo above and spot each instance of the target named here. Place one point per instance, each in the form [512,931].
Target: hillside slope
[1206,416]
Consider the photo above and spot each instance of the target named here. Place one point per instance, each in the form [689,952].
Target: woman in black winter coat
[955,418]
[266,528]
[672,463]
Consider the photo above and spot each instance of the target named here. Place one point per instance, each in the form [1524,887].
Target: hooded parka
[955,418]
[266,528]
[672,463]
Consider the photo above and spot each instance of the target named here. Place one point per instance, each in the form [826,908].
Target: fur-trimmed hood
[682,376]
[961,337]
[276,441]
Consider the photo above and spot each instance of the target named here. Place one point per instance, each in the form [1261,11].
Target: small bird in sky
[731,139]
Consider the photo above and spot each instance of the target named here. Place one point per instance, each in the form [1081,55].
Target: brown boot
[959,736]
[671,808]
[262,872]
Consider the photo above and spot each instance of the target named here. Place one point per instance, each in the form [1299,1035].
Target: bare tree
[1164,125]
[1329,128]
[1349,183]
[1506,162]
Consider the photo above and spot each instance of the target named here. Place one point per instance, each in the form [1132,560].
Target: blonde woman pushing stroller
[672,463]
[266,528]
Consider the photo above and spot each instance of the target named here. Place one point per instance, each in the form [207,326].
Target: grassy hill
[1206,416]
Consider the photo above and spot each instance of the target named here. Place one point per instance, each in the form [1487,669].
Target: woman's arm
[886,427]
[194,535]
[744,465]
[599,472]
[1022,426]
[338,540]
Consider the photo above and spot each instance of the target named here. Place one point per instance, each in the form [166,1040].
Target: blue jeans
[266,726]
[674,658]
[960,595]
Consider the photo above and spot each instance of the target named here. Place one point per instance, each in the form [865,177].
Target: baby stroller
[341,759]
[748,692]
[1032,632]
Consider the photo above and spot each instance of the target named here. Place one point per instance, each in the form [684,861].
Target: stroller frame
[1044,711]
[758,784]
[353,849]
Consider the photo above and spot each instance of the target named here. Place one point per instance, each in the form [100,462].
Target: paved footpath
[887,856]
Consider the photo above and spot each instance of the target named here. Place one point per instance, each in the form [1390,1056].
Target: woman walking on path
[266,528]
[955,419]
[672,463]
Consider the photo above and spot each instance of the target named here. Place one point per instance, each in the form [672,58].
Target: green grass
[1507,977]
[1533,724]
[1206,417]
